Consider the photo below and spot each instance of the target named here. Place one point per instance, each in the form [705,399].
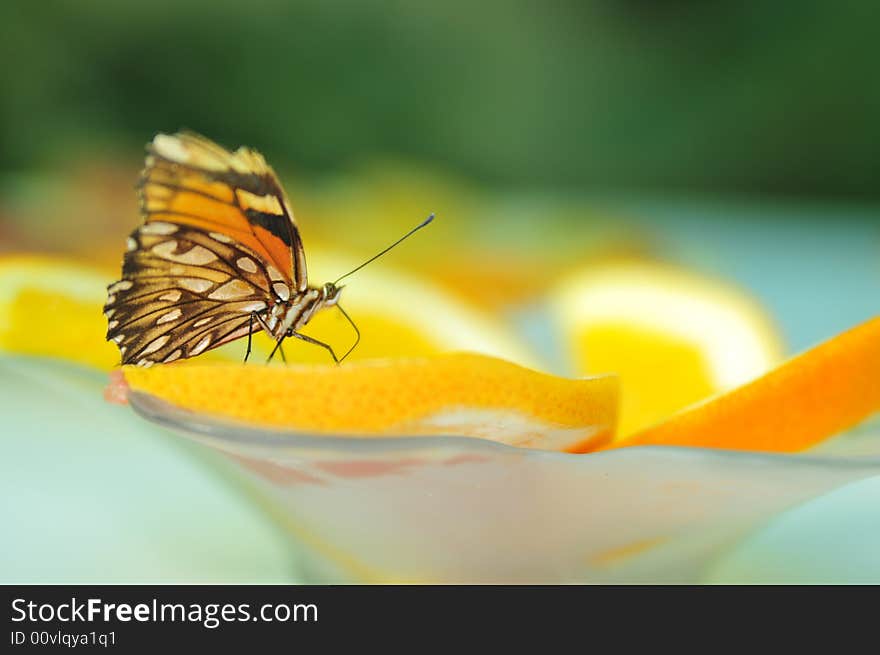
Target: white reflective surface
[468,510]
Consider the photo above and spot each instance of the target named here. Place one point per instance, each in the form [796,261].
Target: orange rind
[51,307]
[447,395]
[811,397]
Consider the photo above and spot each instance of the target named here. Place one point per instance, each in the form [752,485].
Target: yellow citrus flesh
[671,337]
[398,315]
[809,398]
[454,394]
[53,307]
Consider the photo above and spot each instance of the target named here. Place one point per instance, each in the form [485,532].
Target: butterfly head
[330,294]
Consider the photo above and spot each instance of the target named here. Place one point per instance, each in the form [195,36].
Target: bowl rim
[228,434]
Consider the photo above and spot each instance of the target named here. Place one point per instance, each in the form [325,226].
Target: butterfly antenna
[376,256]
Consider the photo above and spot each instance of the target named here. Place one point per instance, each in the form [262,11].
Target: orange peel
[811,397]
[457,394]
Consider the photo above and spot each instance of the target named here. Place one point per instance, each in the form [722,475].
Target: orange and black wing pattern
[193,181]
[217,245]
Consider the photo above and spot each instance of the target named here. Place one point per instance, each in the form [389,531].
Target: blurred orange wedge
[809,398]
[53,307]
[453,395]
[399,315]
[673,338]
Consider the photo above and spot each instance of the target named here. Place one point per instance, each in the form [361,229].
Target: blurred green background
[623,95]
[739,139]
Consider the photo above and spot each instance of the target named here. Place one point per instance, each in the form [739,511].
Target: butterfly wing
[218,243]
[193,181]
[183,291]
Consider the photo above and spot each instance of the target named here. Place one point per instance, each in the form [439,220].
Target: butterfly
[218,256]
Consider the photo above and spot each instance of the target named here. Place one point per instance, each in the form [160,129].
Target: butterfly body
[285,317]
[218,252]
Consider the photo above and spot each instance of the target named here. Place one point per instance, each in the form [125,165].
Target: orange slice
[399,315]
[456,395]
[53,307]
[811,397]
[672,337]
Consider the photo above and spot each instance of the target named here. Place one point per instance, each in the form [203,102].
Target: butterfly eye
[331,293]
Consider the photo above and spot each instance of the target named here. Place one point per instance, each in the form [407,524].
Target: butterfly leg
[277,348]
[263,324]
[356,331]
[309,339]
[250,334]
